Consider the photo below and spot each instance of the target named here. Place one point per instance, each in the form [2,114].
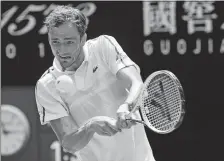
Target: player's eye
[70,42]
[54,42]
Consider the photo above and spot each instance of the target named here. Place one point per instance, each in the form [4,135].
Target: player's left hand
[122,114]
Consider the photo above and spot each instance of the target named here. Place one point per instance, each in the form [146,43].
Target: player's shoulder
[102,39]
[46,78]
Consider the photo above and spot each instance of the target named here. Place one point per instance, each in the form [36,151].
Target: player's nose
[62,53]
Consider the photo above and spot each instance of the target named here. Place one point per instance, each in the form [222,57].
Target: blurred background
[183,37]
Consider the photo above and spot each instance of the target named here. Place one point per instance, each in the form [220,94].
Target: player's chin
[67,63]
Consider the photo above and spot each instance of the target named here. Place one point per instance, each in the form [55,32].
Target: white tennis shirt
[98,93]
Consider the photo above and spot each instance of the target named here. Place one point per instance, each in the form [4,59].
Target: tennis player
[88,91]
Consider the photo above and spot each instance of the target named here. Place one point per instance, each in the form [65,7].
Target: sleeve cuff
[46,119]
[123,64]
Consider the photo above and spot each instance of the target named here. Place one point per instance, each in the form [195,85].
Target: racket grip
[133,110]
[138,121]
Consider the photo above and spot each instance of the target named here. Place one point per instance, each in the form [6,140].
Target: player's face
[65,43]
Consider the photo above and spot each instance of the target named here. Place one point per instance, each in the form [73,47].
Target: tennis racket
[161,102]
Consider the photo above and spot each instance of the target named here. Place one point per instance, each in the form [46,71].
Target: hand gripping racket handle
[136,107]
[139,121]
[135,120]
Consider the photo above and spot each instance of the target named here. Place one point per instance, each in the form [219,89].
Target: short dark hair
[62,14]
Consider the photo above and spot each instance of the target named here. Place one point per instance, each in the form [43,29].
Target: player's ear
[48,36]
[83,39]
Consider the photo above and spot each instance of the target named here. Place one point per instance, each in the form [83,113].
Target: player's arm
[123,67]
[71,137]
[74,139]
[133,77]
[130,75]
[54,112]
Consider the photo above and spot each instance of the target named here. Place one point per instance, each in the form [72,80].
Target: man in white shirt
[87,93]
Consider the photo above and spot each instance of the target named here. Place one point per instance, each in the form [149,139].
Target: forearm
[134,92]
[128,106]
[78,139]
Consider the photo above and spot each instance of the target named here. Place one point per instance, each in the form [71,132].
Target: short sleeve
[113,54]
[48,107]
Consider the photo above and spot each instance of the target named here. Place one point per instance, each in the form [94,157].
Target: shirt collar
[58,67]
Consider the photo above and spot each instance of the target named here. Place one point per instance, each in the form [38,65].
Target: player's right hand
[123,114]
[104,125]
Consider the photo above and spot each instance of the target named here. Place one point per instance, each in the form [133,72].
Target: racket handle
[138,121]
[135,106]
[134,109]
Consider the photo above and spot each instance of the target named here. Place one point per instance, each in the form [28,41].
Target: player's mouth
[64,57]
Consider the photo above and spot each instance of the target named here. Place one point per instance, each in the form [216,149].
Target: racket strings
[161,103]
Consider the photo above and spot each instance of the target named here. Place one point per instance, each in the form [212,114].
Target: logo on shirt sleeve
[95,68]
[120,56]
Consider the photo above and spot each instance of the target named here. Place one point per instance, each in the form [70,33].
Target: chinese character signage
[198,16]
[182,27]
[159,17]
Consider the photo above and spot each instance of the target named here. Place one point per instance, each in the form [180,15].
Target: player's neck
[77,62]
